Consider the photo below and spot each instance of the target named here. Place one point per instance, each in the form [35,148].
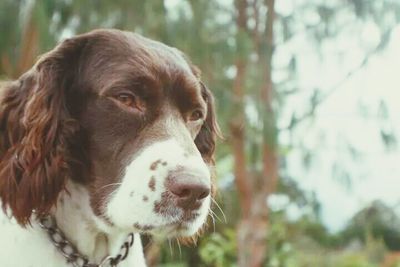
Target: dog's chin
[174,231]
[184,227]
[173,222]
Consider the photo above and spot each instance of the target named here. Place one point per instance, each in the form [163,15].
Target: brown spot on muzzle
[152,184]
[145,227]
[154,165]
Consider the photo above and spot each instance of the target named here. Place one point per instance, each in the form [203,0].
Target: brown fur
[53,125]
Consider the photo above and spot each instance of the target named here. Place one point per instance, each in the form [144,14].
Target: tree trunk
[270,159]
[254,188]
[29,47]
[237,128]
[269,177]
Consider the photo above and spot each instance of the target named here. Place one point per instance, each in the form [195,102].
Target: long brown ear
[36,130]
[205,140]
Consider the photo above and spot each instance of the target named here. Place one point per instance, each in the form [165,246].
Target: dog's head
[126,117]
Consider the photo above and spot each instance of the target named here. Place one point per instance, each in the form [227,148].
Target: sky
[350,115]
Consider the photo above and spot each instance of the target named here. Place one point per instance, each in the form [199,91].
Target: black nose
[188,189]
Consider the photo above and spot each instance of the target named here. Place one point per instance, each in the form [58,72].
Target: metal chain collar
[72,255]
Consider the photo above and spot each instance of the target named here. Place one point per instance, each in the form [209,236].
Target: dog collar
[71,254]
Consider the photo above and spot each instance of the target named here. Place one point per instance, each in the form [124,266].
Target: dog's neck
[91,236]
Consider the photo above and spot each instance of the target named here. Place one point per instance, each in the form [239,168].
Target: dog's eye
[127,99]
[196,115]
[130,101]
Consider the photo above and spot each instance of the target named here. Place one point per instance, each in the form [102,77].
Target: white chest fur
[31,246]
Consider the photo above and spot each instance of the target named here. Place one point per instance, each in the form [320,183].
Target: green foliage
[354,261]
[219,249]
[280,251]
[374,221]
[206,31]
[173,264]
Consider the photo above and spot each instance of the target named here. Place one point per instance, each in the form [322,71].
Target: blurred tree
[234,44]
[20,42]
[377,220]
[254,187]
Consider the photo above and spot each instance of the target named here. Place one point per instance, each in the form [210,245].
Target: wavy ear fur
[206,139]
[36,130]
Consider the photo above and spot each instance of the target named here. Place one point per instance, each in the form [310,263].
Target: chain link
[71,253]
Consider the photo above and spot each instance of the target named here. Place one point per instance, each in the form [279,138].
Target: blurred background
[308,99]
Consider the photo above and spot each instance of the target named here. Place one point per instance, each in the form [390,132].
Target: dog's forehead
[121,57]
[166,54]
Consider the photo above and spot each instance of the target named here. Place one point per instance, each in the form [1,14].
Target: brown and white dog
[110,133]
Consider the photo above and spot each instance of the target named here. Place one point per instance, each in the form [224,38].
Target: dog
[110,135]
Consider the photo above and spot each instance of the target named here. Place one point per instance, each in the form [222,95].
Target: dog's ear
[206,139]
[36,130]
[206,142]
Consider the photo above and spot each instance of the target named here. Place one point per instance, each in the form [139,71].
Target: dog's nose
[189,190]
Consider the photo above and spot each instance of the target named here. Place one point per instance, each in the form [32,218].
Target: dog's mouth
[189,216]
[176,218]
[174,228]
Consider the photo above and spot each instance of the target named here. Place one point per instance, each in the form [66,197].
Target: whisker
[216,216]
[179,246]
[170,248]
[109,195]
[222,212]
[212,218]
[112,184]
